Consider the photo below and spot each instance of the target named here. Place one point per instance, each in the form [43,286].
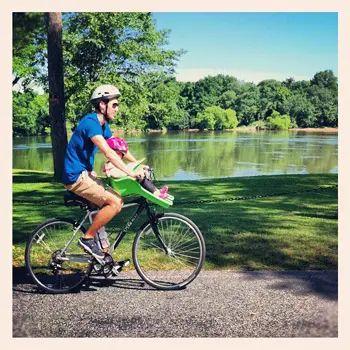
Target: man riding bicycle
[78,174]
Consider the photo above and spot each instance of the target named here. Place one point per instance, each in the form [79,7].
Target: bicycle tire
[42,256]
[177,267]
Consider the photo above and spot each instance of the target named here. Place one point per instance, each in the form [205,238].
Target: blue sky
[252,46]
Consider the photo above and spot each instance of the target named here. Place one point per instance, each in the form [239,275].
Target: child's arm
[129,157]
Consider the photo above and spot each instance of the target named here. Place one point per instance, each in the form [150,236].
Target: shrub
[278,122]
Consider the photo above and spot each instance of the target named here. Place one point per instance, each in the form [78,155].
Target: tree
[247,104]
[323,94]
[28,47]
[277,121]
[230,119]
[325,105]
[273,97]
[326,79]
[206,119]
[228,99]
[30,113]
[302,112]
[163,97]
[216,118]
[117,48]
[56,92]
[208,92]
[120,48]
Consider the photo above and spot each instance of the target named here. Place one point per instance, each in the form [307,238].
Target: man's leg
[113,206]
[92,188]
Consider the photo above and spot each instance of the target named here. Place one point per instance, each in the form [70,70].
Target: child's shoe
[163,192]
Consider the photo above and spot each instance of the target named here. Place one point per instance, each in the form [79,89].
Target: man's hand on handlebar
[138,174]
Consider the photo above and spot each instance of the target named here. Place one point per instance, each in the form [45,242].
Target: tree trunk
[56,92]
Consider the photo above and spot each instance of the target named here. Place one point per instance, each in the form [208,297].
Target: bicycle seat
[71,200]
[127,186]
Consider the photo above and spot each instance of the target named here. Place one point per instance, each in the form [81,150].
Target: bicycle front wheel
[53,268]
[169,254]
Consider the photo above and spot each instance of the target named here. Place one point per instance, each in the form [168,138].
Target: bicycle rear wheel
[51,269]
[171,254]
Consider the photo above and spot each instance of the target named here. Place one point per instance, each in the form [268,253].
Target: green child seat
[126,186]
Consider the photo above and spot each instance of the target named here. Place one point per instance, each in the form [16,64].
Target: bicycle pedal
[119,265]
[115,271]
[124,263]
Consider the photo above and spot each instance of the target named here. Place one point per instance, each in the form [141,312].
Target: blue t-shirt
[81,151]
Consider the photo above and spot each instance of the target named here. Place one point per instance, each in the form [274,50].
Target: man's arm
[101,143]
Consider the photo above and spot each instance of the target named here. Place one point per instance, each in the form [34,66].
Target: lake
[199,155]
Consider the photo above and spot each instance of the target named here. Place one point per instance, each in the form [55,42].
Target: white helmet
[104,92]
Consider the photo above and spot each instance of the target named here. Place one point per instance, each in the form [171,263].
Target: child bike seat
[127,186]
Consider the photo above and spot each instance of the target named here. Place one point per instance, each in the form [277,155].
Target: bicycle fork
[154,224]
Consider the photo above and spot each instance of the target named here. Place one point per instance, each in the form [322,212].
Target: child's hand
[139,173]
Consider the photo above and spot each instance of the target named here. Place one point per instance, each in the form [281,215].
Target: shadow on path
[322,283]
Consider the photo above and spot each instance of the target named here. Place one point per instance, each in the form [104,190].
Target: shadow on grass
[296,232]
[32,177]
[252,235]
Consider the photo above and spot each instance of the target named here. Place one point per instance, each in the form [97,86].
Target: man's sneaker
[118,266]
[91,247]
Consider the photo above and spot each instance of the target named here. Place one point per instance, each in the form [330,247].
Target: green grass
[296,231]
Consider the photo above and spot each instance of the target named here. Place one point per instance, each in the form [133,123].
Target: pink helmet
[118,144]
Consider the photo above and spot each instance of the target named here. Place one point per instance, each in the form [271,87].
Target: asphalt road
[217,304]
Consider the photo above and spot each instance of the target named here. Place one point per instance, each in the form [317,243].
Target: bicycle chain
[203,201]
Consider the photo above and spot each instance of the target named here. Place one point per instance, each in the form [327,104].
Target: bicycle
[168,250]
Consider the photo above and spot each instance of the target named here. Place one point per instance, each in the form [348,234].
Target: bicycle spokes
[170,255]
[51,267]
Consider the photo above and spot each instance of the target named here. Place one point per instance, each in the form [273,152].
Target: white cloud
[194,74]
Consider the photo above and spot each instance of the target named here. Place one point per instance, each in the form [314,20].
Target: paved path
[216,304]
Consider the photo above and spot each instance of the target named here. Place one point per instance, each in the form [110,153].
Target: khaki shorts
[92,189]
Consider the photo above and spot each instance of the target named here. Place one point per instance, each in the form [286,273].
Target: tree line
[127,50]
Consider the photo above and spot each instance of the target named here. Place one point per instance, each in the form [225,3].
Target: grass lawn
[294,231]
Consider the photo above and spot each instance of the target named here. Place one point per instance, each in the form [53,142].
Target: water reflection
[184,156]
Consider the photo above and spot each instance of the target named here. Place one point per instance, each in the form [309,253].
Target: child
[121,148]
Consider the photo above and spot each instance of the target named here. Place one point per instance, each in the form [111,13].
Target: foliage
[277,121]
[30,114]
[273,97]
[216,118]
[247,103]
[301,111]
[121,48]
[126,49]
[227,99]
[325,103]
[209,92]
[29,47]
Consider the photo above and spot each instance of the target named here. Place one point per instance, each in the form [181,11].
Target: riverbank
[315,129]
[240,129]
[284,222]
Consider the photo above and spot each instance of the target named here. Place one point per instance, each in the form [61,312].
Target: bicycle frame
[141,204]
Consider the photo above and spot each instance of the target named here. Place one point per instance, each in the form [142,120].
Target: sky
[252,46]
